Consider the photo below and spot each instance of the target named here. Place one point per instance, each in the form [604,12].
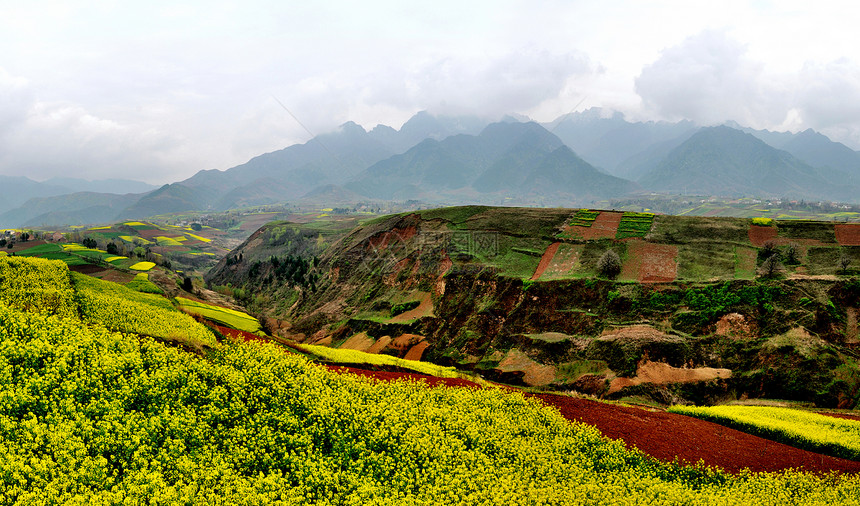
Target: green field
[224,316]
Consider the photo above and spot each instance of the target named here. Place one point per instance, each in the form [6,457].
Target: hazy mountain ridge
[453,160]
[725,161]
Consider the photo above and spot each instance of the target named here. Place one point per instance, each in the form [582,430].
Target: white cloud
[709,79]
[44,139]
[829,94]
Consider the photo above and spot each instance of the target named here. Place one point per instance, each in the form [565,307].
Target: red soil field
[151,233]
[241,334]
[848,234]
[86,268]
[545,260]
[605,226]
[650,263]
[759,234]
[665,436]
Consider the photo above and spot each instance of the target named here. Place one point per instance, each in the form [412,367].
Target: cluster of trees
[296,270]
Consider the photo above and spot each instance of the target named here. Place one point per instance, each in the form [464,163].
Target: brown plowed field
[605,226]
[665,436]
[761,234]
[848,234]
[650,263]
[545,260]
[86,268]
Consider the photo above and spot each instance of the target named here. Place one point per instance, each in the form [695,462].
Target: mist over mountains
[575,160]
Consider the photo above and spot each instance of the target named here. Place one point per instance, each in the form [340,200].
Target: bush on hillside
[609,264]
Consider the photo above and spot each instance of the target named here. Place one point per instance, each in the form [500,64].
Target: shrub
[771,266]
[404,307]
[609,264]
[792,254]
[843,263]
[768,250]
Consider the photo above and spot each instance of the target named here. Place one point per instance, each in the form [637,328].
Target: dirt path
[666,436]
[545,260]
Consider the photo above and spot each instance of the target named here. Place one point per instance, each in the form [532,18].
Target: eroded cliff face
[460,292]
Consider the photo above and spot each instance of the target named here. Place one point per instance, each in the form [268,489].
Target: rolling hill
[518,295]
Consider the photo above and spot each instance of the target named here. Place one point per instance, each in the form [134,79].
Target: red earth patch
[848,234]
[664,436]
[760,234]
[605,226]
[650,263]
[668,436]
[545,260]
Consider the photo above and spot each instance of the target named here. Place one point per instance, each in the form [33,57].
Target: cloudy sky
[158,90]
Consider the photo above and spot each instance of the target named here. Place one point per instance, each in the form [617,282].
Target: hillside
[100,410]
[515,293]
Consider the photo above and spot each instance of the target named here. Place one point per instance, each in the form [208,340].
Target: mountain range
[576,160]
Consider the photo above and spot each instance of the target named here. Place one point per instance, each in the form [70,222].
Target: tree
[196,227]
[609,264]
[112,249]
[771,266]
[843,263]
[768,250]
[187,285]
[25,237]
[89,242]
[792,254]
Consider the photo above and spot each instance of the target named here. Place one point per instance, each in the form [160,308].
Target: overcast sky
[157,90]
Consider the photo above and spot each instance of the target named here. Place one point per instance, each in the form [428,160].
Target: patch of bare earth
[660,373]
[360,342]
[637,332]
[380,344]
[444,266]
[380,242]
[668,436]
[851,330]
[403,343]
[417,351]
[605,226]
[759,234]
[821,277]
[650,263]
[545,260]
[564,263]
[735,325]
[87,269]
[425,308]
[534,374]
[848,234]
